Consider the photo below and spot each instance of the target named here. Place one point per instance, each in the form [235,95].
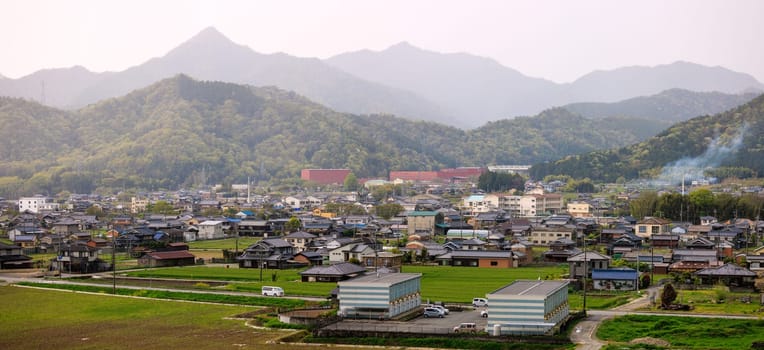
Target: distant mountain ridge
[670,106]
[457,89]
[209,55]
[493,91]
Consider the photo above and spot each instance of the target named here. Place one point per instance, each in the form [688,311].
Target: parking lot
[432,325]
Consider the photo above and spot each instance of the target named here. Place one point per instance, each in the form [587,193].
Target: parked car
[478,302]
[466,328]
[439,307]
[272,291]
[483,313]
[432,312]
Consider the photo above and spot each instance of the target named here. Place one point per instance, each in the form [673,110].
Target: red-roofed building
[325,176]
[414,175]
[464,172]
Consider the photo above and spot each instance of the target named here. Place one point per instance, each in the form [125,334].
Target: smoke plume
[692,168]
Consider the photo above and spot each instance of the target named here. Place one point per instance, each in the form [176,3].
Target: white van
[272,291]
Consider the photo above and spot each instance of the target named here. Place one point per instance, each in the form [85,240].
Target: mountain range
[456,89]
[181,132]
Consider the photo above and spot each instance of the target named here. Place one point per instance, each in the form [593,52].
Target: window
[494,263]
[642,229]
[655,229]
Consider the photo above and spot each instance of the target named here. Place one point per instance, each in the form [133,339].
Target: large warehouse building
[325,176]
[528,308]
[379,296]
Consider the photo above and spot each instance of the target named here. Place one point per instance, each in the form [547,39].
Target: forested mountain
[211,56]
[182,132]
[669,106]
[732,140]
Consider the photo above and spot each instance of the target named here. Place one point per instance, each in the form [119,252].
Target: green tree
[293,224]
[388,210]
[351,183]
[701,201]
[644,205]
[161,207]
[94,210]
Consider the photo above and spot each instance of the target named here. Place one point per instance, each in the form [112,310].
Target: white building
[380,296]
[528,308]
[480,203]
[210,229]
[37,204]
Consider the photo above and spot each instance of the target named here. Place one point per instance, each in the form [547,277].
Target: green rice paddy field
[51,319]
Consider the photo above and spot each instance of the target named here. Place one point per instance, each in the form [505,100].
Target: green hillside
[733,140]
[181,132]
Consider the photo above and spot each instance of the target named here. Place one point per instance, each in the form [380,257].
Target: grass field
[220,244]
[439,283]
[47,319]
[684,332]
[720,300]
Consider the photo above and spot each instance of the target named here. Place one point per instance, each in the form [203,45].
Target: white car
[272,291]
[477,302]
[483,313]
[439,307]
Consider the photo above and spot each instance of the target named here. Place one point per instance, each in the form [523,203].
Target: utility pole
[585,274]
[113,265]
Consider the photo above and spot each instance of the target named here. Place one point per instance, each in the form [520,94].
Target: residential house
[377,260]
[312,258]
[256,228]
[273,253]
[66,226]
[210,229]
[560,250]
[423,222]
[300,240]
[78,258]
[545,235]
[12,257]
[479,258]
[167,258]
[480,203]
[582,264]
[665,240]
[579,209]
[728,234]
[650,226]
[728,274]
[332,273]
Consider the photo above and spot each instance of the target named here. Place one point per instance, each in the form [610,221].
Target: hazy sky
[556,40]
